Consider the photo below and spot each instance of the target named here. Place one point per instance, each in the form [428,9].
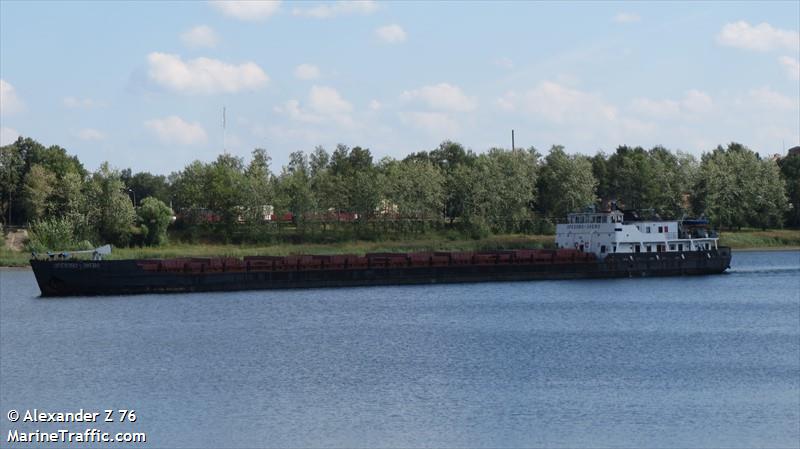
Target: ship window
[672,247]
[660,229]
[648,229]
[637,248]
[680,247]
[648,248]
[707,246]
[603,248]
[615,248]
[666,228]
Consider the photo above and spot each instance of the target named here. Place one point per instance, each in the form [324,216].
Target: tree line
[347,194]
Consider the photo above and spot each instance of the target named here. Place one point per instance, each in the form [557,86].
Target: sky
[143,84]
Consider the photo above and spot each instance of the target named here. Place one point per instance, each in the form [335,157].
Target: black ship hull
[121,277]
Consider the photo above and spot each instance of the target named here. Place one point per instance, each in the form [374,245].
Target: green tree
[672,176]
[631,180]
[37,192]
[451,158]
[600,171]
[226,188]
[156,216]
[328,188]
[294,188]
[52,234]
[318,161]
[416,187]
[355,184]
[500,188]
[736,188]
[12,171]
[190,186]
[566,183]
[790,168]
[109,209]
[144,184]
[259,195]
[54,158]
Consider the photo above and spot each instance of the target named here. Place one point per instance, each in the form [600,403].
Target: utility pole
[224,148]
[134,197]
[512,140]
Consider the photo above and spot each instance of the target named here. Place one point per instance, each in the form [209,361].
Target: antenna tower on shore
[224,147]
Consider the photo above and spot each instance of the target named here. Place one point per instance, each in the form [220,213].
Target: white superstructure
[604,233]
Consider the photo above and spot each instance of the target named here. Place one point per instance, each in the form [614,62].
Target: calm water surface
[708,361]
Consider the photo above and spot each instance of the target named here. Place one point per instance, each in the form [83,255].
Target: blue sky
[143,84]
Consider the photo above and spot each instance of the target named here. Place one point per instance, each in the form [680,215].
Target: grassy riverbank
[740,240]
[13,258]
[758,239]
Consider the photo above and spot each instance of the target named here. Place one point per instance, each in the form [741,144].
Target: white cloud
[375,105]
[768,98]
[436,123]
[79,103]
[694,102]
[340,8]
[504,62]
[327,100]
[442,96]
[8,135]
[697,102]
[566,114]
[200,36]
[661,109]
[506,102]
[392,34]
[10,103]
[762,37]
[559,104]
[203,75]
[306,72]
[174,130]
[253,10]
[325,104]
[293,110]
[90,134]
[792,66]
[627,17]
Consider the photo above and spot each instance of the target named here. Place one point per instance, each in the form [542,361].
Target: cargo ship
[609,244]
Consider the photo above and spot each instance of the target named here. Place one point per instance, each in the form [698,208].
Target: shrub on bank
[55,234]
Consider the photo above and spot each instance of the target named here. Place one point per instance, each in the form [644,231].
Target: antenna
[224,148]
[512,140]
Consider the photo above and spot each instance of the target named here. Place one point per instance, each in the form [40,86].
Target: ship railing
[369,261]
[96,254]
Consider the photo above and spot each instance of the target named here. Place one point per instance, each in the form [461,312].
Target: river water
[710,361]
